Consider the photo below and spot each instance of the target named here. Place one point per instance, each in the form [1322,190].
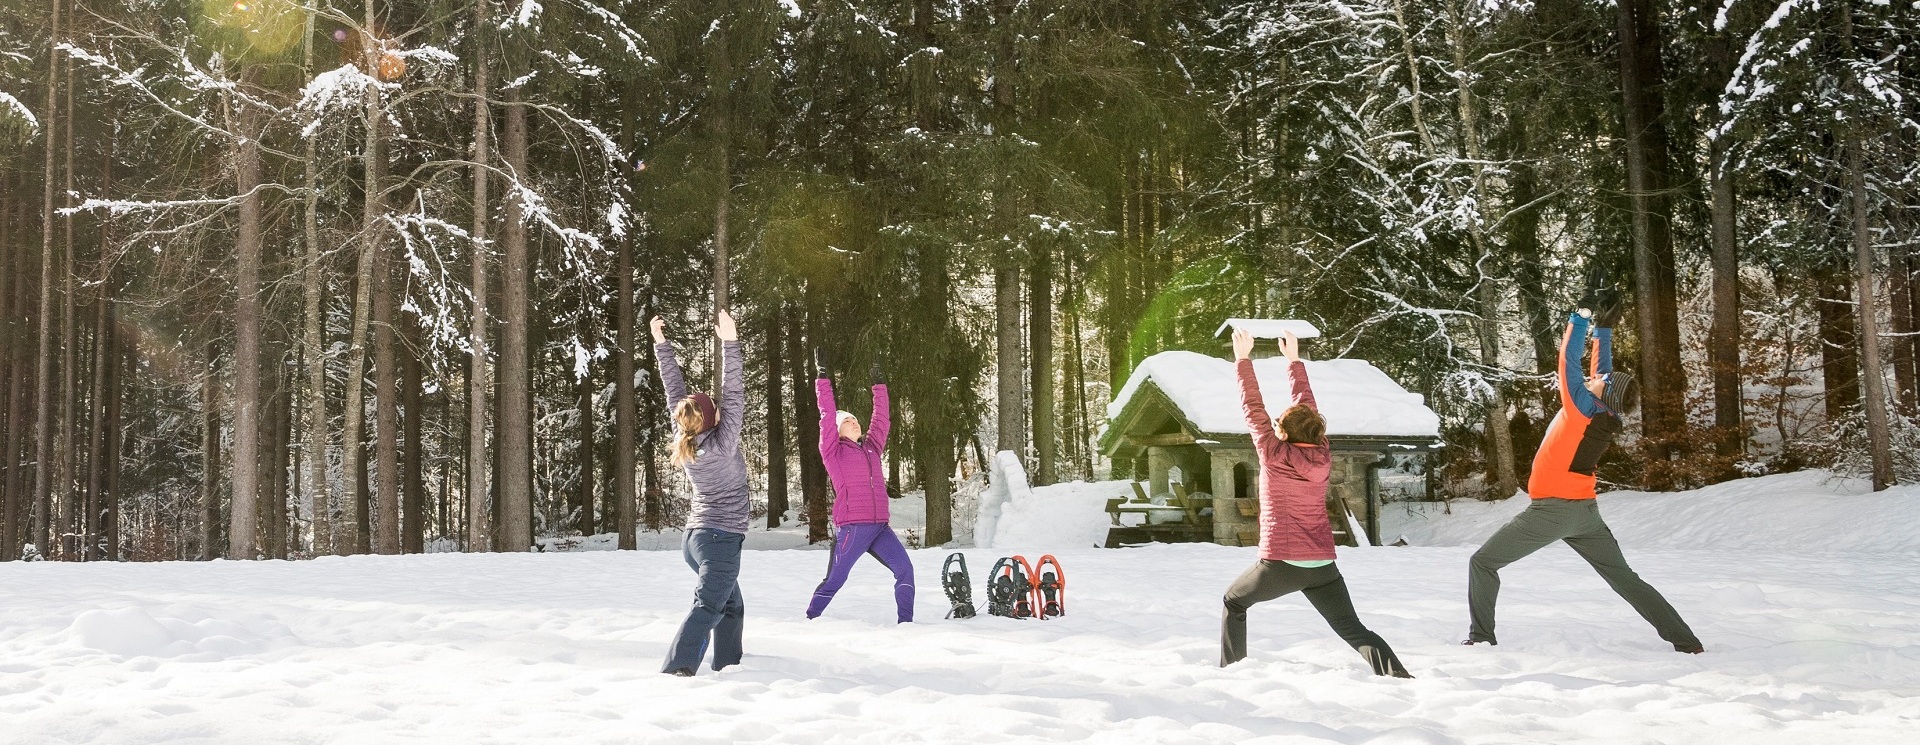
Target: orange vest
[1553,474]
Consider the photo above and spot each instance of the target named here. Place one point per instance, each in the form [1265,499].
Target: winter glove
[1597,284]
[874,373]
[819,363]
[1607,309]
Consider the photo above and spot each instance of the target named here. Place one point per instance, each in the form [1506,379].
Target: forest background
[282,278]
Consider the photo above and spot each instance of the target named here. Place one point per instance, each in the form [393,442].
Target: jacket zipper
[870,486]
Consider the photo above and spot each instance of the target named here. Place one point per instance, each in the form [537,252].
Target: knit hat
[1622,392]
[708,417]
[840,418]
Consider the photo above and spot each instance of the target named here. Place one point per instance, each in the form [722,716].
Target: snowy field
[1803,647]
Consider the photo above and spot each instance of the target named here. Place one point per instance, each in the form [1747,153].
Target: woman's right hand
[1242,344]
[659,328]
[1290,346]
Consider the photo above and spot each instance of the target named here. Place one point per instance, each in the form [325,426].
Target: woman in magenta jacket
[860,494]
[1296,540]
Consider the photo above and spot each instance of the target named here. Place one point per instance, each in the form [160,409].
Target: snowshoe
[1010,588]
[1026,588]
[1000,589]
[959,586]
[1051,588]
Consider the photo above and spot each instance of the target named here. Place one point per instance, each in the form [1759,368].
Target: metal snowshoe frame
[959,586]
[1050,587]
[1013,589]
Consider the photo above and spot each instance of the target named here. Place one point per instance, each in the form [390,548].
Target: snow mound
[1049,518]
[132,632]
[1356,397]
[1802,512]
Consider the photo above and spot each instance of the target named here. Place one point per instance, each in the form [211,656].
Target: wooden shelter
[1178,419]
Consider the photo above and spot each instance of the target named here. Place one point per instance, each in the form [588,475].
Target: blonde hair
[687,417]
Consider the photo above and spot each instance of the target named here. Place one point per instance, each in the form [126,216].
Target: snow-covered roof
[1357,399]
[1269,328]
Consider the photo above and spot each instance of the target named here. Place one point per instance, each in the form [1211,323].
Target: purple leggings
[866,538]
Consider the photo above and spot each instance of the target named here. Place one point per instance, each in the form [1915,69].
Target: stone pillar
[1230,527]
[1158,461]
[1347,486]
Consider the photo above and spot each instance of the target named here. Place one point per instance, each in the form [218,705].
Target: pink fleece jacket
[859,476]
[1293,476]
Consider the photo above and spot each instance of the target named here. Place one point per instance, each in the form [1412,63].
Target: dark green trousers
[1576,521]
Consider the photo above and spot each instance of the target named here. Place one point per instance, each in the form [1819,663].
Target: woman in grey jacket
[707,446]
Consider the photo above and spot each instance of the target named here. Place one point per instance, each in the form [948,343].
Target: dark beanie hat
[1622,392]
[708,418]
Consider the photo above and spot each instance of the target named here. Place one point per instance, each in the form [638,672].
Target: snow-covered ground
[1803,647]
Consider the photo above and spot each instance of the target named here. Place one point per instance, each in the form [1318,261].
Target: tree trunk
[64,494]
[8,332]
[1009,363]
[813,475]
[321,506]
[209,460]
[1642,78]
[1839,360]
[363,501]
[720,279]
[243,535]
[1040,335]
[413,486]
[386,430]
[1900,296]
[1873,370]
[516,399]
[1487,292]
[352,535]
[623,399]
[776,421]
[584,520]
[110,516]
[1723,345]
[19,405]
[276,513]
[1082,439]
[37,532]
[479,375]
[97,430]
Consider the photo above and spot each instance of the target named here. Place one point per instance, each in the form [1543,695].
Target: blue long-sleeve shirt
[1572,380]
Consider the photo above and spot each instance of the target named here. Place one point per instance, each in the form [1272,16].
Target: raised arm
[1602,350]
[672,380]
[882,417]
[1259,423]
[1572,393]
[733,393]
[823,397]
[829,429]
[1302,390]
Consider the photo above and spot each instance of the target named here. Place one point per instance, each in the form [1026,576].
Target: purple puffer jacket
[859,478]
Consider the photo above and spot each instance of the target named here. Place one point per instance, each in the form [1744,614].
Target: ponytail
[687,418]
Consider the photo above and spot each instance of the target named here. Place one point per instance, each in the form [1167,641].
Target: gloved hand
[1597,284]
[875,374]
[819,363]
[1607,308]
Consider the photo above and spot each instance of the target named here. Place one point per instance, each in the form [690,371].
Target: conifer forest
[290,278]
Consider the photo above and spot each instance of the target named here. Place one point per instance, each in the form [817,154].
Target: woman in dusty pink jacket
[1296,540]
[860,495]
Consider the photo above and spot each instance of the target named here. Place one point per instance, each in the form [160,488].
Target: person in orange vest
[1562,484]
